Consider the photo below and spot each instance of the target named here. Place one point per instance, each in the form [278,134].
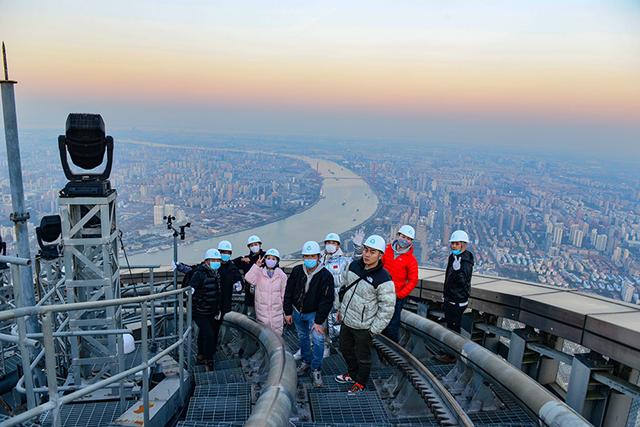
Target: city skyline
[538,74]
[540,219]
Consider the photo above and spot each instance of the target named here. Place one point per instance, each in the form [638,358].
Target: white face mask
[255,249]
[330,248]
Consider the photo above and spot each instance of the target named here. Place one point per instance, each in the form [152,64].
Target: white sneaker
[297,355]
[327,352]
[317,378]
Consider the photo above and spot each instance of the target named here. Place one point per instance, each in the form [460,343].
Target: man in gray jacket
[365,306]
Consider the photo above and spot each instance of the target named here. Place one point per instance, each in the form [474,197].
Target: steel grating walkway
[95,414]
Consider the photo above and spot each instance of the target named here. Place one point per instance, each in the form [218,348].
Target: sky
[540,73]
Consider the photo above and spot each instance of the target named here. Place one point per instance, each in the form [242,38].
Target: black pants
[453,315]
[393,328]
[208,330]
[355,346]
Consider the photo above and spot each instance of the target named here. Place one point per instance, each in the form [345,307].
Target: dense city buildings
[568,223]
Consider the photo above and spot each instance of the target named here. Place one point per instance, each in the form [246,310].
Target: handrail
[276,401]
[547,407]
[55,400]
[56,308]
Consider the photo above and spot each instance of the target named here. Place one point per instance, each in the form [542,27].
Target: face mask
[403,244]
[225,257]
[330,248]
[255,249]
[310,263]
[271,263]
[456,251]
[214,265]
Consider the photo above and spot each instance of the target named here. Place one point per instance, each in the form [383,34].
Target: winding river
[348,202]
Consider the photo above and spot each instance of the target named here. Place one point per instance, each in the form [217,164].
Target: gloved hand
[358,238]
[173,266]
[218,316]
[456,263]
[237,287]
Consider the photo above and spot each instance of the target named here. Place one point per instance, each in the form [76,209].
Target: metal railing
[550,410]
[47,312]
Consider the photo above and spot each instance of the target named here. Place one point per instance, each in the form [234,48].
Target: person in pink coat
[269,282]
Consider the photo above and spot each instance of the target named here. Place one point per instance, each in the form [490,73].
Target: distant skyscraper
[617,254]
[627,292]
[558,231]
[601,242]
[158,213]
[577,238]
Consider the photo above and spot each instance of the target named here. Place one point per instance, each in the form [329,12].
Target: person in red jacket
[400,262]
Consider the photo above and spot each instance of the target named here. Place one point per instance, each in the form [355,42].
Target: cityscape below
[536,217]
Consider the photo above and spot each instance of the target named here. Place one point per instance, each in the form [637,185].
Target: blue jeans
[304,326]
[393,328]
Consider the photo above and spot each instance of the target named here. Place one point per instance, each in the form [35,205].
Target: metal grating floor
[214,390]
[330,385]
[207,424]
[308,424]
[222,376]
[365,407]
[96,414]
[219,408]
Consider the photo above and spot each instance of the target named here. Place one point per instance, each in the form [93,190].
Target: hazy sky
[428,70]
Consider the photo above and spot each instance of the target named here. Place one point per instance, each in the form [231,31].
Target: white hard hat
[375,242]
[333,237]
[253,239]
[225,245]
[311,248]
[459,236]
[212,254]
[128,343]
[408,231]
[273,252]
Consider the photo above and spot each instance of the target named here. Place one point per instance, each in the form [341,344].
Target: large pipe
[276,401]
[549,410]
[19,215]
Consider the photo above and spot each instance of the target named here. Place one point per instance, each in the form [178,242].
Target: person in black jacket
[457,282]
[308,299]
[208,305]
[244,264]
[230,274]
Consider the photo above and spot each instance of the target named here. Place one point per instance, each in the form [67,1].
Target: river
[348,202]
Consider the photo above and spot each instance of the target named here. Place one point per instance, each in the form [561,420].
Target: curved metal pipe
[548,408]
[275,404]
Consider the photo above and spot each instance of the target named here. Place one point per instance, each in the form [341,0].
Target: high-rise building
[627,292]
[558,231]
[601,242]
[617,254]
[158,213]
[577,238]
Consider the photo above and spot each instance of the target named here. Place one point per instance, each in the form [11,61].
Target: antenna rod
[4,61]
[20,216]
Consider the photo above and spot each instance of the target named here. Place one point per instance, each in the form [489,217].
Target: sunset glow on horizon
[536,58]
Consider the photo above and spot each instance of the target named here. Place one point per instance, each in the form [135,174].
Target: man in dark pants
[457,283]
[368,301]
[402,265]
[231,277]
[208,305]
[308,299]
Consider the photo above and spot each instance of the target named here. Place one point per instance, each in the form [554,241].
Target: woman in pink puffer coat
[269,282]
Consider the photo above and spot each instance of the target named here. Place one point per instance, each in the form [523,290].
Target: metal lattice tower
[89,233]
